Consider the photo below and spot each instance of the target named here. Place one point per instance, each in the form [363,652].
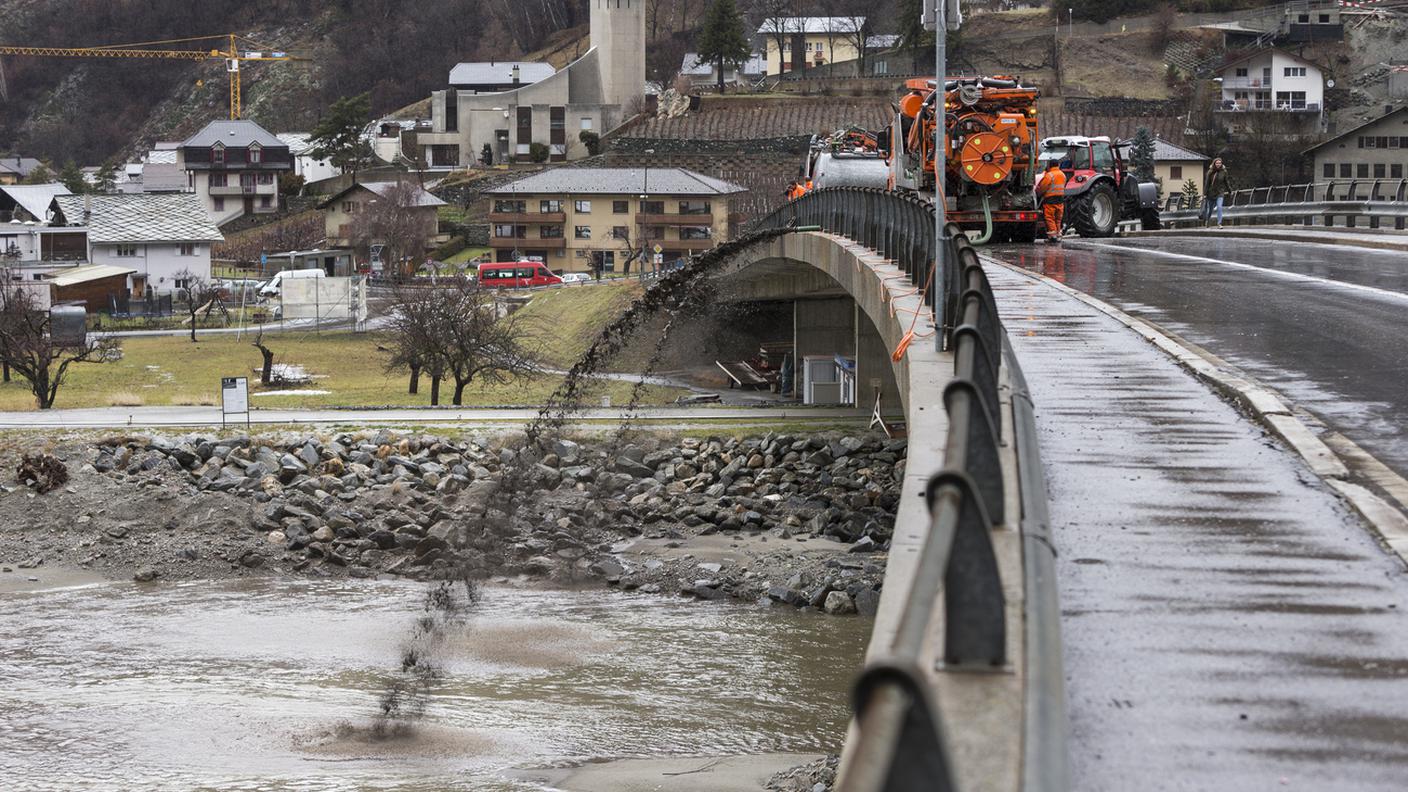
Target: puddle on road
[270,685]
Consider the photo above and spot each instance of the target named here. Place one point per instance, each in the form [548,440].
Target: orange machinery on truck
[990,162]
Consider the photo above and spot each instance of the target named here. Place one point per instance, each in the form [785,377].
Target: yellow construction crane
[232,54]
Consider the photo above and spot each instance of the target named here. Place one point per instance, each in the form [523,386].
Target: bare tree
[456,332]
[28,347]
[779,22]
[853,26]
[201,296]
[266,371]
[396,220]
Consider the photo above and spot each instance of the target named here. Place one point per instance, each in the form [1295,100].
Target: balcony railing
[525,243]
[1265,105]
[518,218]
[701,219]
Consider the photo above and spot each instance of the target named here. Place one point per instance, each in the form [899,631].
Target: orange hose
[908,337]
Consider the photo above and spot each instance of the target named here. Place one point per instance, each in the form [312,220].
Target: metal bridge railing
[900,742]
[899,226]
[1378,201]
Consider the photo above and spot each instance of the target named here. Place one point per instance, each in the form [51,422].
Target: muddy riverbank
[799,520]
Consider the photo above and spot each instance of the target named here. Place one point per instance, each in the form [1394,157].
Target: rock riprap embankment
[799,520]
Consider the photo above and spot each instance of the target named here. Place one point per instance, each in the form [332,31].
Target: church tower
[618,35]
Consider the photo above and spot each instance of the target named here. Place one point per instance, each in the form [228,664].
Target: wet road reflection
[1273,309]
[1227,624]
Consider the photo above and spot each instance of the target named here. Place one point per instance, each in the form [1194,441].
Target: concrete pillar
[873,369]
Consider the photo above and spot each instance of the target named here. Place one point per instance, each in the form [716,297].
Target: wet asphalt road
[1327,326]
[1227,624]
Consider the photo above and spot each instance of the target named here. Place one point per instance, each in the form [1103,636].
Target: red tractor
[1101,188]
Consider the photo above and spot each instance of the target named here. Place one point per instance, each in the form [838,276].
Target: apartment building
[573,218]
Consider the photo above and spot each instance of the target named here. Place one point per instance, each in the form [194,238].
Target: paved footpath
[210,416]
[1228,623]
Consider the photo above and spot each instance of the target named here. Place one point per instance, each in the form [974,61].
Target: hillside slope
[95,109]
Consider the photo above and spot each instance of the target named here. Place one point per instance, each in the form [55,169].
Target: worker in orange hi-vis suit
[1051,192]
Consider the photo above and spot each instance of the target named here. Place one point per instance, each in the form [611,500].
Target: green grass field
[565,321]
[350,367]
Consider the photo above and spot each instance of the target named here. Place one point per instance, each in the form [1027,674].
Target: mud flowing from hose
[678,291]
[403,703]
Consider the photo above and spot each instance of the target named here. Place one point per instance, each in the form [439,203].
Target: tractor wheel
[1094,212]
[1149,220]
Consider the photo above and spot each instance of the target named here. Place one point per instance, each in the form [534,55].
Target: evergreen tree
[40,175]
[913,37]
[338,136]
[721,38]
[72,178]
[1141,154]
[107,178]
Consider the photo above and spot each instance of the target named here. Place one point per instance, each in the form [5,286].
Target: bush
[591,140]
[455,245]
[538,152]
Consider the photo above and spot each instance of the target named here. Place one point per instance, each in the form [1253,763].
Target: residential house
[311,168]
[24,203]
[592,93]
[15,169]
[29,245]
[1374,150]
[810,41]
[1286,90]
[234,167]
[570,218]
[342,211]
[1174,165]
[159,236]
[703,75]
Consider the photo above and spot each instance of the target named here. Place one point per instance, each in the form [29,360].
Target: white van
[271,289]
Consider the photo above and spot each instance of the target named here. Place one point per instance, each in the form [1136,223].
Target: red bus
[516,275]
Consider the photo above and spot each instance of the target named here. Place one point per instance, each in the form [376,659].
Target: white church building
[590,93]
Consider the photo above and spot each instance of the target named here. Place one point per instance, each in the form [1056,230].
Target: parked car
[272,288]
[576,277]
[516,275]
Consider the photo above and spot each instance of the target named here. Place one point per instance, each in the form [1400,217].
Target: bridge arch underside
[847,300]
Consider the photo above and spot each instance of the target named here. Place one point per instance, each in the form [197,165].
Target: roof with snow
[847,24]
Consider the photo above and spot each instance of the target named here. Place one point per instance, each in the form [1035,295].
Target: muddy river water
[244,685]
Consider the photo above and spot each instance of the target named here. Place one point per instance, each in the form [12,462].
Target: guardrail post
[980,446]
[975,625]
[901,742]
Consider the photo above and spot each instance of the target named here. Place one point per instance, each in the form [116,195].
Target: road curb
[1386,521]
[1369,241]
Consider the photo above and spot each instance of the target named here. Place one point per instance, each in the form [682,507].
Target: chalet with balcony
[344,211]
[234,167]
[29,245]
[1280,91]
[574,219]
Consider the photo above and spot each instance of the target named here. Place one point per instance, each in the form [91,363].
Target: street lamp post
[940,155]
